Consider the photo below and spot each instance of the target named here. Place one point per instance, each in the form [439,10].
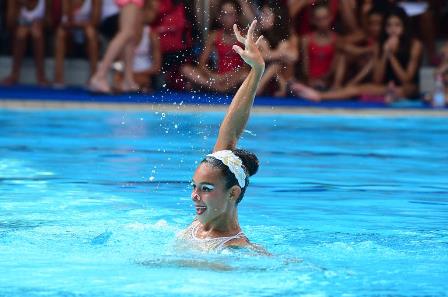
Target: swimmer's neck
[224,225]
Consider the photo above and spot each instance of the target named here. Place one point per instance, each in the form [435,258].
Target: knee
[90,32]
[186,69]
[409,90]
[128,34]
[61,33]
[37,33]
[356,89]
[21,33]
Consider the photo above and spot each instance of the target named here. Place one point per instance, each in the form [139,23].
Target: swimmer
[221,179]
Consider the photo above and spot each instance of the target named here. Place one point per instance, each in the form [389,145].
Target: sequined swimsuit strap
[228,239]
[222,240]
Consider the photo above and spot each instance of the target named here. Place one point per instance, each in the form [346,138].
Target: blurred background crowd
[369,50]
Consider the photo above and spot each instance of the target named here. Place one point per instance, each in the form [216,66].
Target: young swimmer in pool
[221,179]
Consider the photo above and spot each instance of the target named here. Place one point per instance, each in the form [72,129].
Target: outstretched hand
[251,54]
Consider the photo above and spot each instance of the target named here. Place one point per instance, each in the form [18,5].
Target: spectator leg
[19,46]
[59,56]
[92,47]
[354,91]
[196,76]
[428,34]
[340,94]
[39,52]
[128,83]
[228,81]
[128,19]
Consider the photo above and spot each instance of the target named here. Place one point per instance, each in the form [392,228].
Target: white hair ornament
[233,162]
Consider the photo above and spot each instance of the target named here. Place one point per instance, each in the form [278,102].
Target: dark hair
[216,24]
[406,37]
[377,10]
[250,166]
[280,31]
[380,5]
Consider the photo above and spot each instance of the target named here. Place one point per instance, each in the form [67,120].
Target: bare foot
[391,93]
[99,85]
[9,80]
[129,86]
[58,83]
[306,92]
[42,82]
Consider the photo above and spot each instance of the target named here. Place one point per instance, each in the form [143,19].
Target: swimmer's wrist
[259,68]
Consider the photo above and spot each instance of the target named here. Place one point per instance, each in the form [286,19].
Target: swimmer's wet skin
[220,181]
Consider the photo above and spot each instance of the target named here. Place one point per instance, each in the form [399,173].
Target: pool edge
[53,105]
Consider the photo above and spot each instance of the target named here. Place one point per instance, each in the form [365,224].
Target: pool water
[91,201]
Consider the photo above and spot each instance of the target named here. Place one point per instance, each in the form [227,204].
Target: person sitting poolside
[224,78]
[27,19]
[221,179]
[79,20]
[280,49]
[396,74]
[441,81]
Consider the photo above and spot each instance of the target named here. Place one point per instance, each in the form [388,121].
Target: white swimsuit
[29,16]
[207,244]
[109,8]
[81,14]
[142,55]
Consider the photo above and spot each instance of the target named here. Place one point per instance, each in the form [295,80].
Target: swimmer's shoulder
[186,233]
[243,242]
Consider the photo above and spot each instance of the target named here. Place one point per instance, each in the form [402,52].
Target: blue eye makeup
[203,187]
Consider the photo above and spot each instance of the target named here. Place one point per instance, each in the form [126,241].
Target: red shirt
[320,56]
[172,27]
[228,59]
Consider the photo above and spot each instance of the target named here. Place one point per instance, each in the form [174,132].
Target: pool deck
[32,98]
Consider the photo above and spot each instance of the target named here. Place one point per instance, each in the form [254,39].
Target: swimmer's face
[394,26]
[209,194]
[374,25]
[229,15]
[322,18]
[267,18]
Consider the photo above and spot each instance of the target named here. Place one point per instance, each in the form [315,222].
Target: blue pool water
[90,202]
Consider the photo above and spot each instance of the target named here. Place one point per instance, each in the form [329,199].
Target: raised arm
[238,113]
